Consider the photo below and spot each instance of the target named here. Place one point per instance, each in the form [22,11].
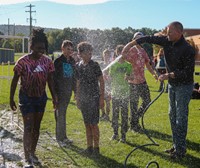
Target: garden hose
[146,132]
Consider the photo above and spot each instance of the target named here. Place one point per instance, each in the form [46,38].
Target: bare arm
[127,48]
[12,91]
[150,69]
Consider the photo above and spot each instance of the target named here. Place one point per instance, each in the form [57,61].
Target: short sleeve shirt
[88,76]
[33,74]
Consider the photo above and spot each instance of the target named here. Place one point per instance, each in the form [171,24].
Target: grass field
[113,153]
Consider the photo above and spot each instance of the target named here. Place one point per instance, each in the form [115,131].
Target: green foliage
[100,39]
[14,43]
[113,153]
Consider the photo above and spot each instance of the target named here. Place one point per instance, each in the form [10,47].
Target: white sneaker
[35,160]
[68,141]
[28,163]
[62,144]
[65,142]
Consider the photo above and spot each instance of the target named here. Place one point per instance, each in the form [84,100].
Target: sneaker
[35,160]
[62,144]
[136,128]
[28,163]
[65,142]
[107,118]
[102,116]
[171,150]
[68,141]
[175,155]
[28,166]
[96,153]
[88,151]
[115,137]
[123,138]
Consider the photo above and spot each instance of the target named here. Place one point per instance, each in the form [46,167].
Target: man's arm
[127,48]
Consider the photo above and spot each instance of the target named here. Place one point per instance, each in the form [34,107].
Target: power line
[30,19]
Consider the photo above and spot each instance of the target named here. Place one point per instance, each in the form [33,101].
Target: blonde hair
[106,51]
[119,49]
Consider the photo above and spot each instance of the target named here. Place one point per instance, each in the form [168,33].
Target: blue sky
[102,14]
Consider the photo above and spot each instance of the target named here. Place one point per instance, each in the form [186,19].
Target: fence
[6,55]
[6,75]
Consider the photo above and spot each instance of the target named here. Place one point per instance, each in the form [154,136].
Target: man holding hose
[180,63]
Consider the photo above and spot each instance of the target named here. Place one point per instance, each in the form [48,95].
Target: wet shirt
[138,57]
[88,76]
[119,86]
[179,58]
[64,78]
[34,74]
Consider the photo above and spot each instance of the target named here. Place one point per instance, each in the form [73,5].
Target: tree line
[100,39]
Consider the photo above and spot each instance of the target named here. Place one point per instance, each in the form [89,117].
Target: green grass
[18,55]
[113,153]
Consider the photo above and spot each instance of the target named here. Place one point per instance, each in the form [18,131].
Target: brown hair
[84,46]
[67,43]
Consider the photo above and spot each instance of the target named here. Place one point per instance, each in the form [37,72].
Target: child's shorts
[31,104]
[90,111]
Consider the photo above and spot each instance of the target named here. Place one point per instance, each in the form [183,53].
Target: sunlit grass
[114,153]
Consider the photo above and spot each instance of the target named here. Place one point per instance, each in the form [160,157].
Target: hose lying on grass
[146,132]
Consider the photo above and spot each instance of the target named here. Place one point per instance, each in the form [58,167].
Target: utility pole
[8,26]
[30,19]
[14,30]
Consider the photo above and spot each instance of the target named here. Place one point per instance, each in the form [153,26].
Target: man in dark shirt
[180,62]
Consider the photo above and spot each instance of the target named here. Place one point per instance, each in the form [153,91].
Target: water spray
[112,63]
[142,118]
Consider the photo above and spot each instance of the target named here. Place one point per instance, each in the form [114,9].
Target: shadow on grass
[7,134]
[189,160]
[10,156]
[165,137]
[101,161]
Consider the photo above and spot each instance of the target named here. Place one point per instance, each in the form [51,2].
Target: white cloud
[7,2]
[75,2]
